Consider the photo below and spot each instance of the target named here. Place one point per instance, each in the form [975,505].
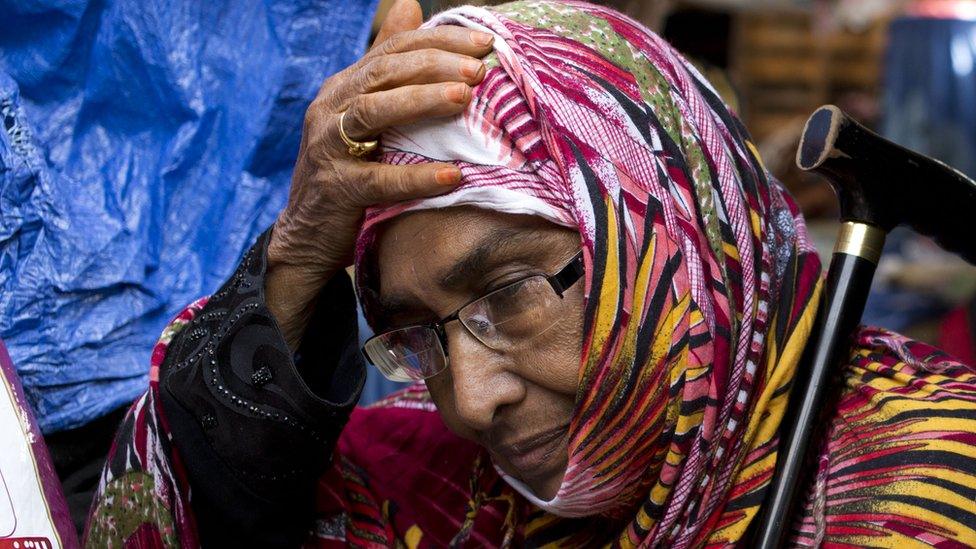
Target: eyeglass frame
[561,281]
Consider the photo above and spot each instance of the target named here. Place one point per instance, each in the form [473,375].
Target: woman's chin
[546,489]
[544,483]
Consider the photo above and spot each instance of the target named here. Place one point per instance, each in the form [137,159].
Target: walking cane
[879,185]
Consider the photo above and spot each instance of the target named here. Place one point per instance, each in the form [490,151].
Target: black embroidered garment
[253,429]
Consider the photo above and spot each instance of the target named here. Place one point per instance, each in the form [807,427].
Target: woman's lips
[533,454]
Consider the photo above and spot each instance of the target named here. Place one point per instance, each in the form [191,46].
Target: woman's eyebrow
[394,308]
[498,245]
[394,305]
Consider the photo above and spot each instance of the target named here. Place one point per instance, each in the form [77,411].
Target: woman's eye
[508,291]
[508,298]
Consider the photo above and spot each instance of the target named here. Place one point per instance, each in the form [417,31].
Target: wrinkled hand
[408,75]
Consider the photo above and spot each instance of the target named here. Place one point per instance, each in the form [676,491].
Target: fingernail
[448,176]
[471,67]
[456,93]
[481,38]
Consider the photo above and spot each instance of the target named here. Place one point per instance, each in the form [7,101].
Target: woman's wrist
[294,278]
[291,285]
[290,294]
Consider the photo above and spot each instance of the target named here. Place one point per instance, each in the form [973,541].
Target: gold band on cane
[861,240]
[356,148]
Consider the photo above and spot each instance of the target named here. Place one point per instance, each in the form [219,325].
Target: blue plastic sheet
[143,146]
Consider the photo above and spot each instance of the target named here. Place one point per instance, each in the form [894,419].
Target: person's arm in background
[227,444]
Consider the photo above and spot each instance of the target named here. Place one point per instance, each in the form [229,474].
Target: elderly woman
[574,252]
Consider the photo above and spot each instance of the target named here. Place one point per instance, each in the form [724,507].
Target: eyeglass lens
[503,320]
[410,354]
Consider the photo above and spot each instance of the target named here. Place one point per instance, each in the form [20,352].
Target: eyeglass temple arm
[568,275]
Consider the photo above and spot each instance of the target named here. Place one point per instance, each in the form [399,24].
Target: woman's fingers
[439,54]
[371,113]
[427,66]
[442,37]
[383,183]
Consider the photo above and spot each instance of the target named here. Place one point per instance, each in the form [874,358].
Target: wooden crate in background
[855,59]
[779,67]
[786,62]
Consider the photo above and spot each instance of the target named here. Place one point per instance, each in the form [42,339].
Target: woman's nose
[483,380]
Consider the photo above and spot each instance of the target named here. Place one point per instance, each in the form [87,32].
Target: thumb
[404,15]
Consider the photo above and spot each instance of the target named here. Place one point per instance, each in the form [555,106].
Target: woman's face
[516,405]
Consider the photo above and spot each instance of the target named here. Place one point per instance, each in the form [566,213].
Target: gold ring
[356,148]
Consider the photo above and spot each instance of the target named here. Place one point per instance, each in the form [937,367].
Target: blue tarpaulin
[143,146]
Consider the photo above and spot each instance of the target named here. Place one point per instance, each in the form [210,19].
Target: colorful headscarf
[701,284]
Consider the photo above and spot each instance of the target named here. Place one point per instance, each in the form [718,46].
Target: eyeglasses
[503,320]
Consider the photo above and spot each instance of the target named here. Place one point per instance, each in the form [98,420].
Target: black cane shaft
[845,293]
[846,289]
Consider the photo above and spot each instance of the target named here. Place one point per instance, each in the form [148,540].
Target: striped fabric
[701,290]
[898,463]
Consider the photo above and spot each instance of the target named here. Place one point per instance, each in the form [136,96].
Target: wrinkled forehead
[453,243]
[456,252]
